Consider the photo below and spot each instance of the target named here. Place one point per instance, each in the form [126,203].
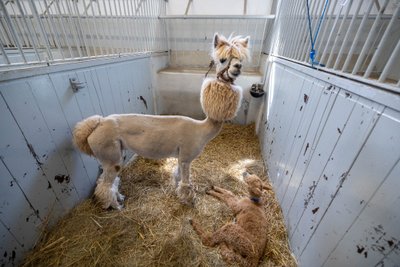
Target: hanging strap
[314,39]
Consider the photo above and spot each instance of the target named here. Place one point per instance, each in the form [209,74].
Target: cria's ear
[245,41]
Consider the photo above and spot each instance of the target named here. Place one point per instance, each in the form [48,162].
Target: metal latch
[76,85]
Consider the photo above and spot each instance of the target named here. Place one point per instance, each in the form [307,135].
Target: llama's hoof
[186,194]
[120,197]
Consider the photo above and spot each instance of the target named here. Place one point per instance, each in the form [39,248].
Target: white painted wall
[219,7]
[42,175]
[332,149]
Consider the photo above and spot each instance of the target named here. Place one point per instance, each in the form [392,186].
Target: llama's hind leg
[233,257]
[106,191]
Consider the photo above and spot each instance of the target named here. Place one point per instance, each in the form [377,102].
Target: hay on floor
[153,228]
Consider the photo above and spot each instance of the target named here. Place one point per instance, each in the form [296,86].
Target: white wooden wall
[42,176]
[332,148]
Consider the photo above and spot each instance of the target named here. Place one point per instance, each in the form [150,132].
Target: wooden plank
[141,79]
[16,212]
[325,144]
[30,120]
[278,119]
[352,136]
[105,93]
[49,105]
[362,224]
[23,167]
[290,138]
[310,101]
[322,112]
[12,252]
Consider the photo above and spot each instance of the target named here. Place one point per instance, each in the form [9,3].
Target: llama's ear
[216,40]
[245,41]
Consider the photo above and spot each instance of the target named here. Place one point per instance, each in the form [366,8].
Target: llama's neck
[212,127]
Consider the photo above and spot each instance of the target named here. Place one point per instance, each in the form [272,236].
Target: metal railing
[46,31]
[358,39]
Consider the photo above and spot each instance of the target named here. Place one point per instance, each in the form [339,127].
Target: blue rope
[314,39]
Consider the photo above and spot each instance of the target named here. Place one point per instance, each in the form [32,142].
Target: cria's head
[230,53]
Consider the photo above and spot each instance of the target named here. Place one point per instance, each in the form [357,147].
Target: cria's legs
[232,257]
[204,236]
[176,176]
[225,196]
[235,246]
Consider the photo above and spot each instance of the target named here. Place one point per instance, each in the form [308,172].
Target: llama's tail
[82,131]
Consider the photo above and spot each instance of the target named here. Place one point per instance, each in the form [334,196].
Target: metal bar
[294,33]
[287,27]
[392,59]
[89,28]
[367,43]
[216,17]
[346,37]
[330,35]
[30,30]
[12,30]
[357,37]
[75,3]
[96,31]
[244,7]
[188,6]
[385,37]
[339,33]
[73,30]
[316,11]
[324,28]
[52,27]
[41,26]
[108,47]
[64,30]
[3,52]
[25,40]
[132,27]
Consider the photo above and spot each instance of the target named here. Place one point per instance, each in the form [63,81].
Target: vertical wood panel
[34,128]
[49,105]
[309,102]
[351,139]
[279,120]
[11,251]
[322,112]
[16,213]
[363,224]
[21,164]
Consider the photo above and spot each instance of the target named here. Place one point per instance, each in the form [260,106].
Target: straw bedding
[153,228]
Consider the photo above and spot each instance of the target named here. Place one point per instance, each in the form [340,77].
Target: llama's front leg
[185,190]
[106,191]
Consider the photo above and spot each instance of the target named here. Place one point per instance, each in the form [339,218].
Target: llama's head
[254,185]
[228,55]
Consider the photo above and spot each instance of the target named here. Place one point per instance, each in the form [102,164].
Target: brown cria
[242,242]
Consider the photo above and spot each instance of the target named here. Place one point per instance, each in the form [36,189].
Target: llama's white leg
[106,190]
[176,175]
[185,190]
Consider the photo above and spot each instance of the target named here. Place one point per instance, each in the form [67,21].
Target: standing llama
[156,137]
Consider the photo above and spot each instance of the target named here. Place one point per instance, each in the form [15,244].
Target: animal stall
[319,121]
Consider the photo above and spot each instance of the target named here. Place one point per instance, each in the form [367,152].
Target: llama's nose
[238,65]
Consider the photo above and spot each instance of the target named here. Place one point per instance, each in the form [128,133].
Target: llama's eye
[222,60]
